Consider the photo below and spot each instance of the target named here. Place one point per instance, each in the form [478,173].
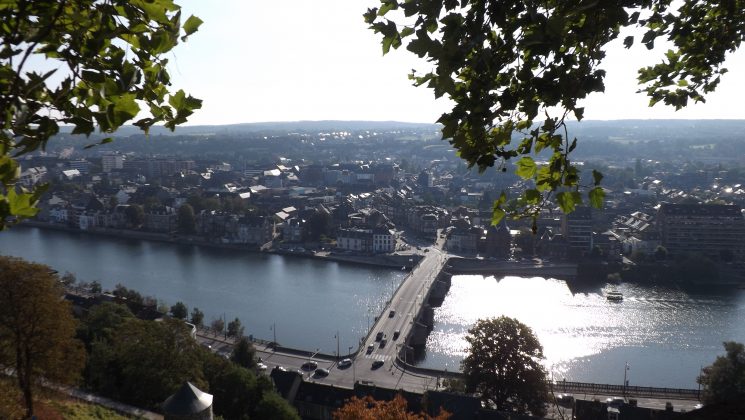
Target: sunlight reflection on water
[585,336]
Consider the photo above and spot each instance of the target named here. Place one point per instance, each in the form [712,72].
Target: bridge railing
[633,391]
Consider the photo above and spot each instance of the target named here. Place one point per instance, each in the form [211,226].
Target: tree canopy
[37,329]
[179,310]
[106,65]
[504,366]
[145,361]
[369,408]
[507,64]
[724,380]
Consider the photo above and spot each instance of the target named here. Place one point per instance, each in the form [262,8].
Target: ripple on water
[670,332]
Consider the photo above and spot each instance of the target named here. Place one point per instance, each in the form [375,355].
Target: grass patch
[82,411]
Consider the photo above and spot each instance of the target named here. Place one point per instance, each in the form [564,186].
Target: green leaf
[532,196]
[191,25]
[526,167]
[497,212]
[597,177]
[568,201]
[497,215]
[104,141]
[597,196]
[387,6]
[21,204]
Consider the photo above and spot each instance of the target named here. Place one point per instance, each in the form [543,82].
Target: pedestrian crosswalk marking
[378,357]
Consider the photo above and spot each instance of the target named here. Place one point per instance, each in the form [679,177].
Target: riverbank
[393,261]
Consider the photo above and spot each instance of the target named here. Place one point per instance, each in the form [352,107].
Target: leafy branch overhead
[105,68]
[509,65]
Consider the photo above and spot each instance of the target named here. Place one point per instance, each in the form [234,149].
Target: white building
[111,162]
[32,176]
[384,240]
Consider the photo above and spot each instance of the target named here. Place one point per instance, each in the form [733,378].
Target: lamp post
[337,346]
[625,382]
[354,379]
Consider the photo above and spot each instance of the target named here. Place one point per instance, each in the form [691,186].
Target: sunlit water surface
[665,334]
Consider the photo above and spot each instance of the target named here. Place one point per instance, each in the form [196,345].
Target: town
[356,191]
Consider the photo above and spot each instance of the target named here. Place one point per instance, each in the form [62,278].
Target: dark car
[378,363]
[565,400]
[383,343]
[321,372]
[379,336]
[310,365]
[396,334]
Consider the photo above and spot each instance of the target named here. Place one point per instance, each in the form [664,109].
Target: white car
[261,367]
[345,363]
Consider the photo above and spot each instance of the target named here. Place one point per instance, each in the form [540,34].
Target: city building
[577,229]
[717,231]
[111,162]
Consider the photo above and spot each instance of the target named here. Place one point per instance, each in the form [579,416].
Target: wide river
[307,300]
[665,334]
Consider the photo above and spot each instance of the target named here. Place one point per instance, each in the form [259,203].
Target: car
[345,363]
[391,314]
[370,348]
[261,367]
[322,372]
[310,365]
[565,400]
[383,342]
[615,401]
[379,336]
[377,363]
[396,334]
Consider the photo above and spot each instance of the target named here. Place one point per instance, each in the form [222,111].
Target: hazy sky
[285,60]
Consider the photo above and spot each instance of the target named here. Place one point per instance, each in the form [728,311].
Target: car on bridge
[370,348]
[391,314]
[321,372]
[383,343]
[344,363]
[377,363]
[396,334]
[310,365]
[379,336]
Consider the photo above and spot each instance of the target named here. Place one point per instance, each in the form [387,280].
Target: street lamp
[625,382]
[337,345]
[354,379]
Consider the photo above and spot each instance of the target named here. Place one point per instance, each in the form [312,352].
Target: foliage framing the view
[37,329]
[106,67]
[506,64]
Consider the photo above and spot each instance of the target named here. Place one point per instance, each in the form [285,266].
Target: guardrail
[632,391]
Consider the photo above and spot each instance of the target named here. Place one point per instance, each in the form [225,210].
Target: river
[308,300]
[664,333]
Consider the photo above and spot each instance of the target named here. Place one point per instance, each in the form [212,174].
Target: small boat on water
[614,295]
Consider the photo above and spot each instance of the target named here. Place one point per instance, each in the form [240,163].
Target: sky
[290,60]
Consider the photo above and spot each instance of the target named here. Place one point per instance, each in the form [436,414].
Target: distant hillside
[277,127]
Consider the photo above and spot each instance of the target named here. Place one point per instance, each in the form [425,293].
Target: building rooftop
[187,400]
